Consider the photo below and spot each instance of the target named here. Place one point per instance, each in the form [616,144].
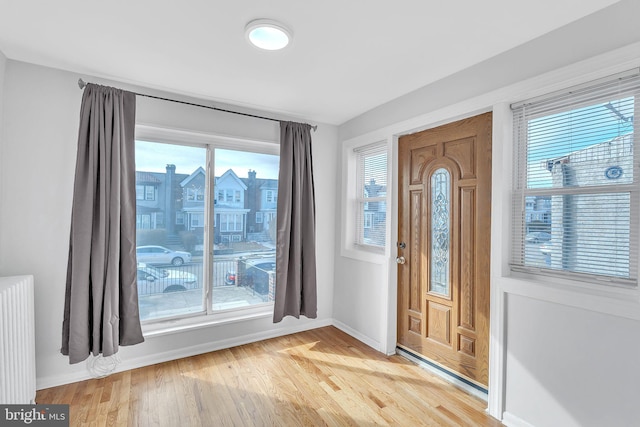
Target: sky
[154,157]
[557,135]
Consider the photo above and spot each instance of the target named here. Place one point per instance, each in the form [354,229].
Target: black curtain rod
[82,84]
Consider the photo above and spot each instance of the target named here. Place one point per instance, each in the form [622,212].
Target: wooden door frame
[452,331]
[500,195]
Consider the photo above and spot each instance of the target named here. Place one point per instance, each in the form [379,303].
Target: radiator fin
[17,341]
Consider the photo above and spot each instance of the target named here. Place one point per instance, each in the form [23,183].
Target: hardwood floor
[321,377]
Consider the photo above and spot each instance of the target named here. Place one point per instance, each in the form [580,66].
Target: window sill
[367,254]
[174,326]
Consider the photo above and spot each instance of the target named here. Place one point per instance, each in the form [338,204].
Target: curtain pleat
[295,293]
[101,298]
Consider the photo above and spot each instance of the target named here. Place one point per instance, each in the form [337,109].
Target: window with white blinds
[371,195]
[575,194]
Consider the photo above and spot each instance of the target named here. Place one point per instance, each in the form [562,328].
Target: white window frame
[196,219]
[195,194]
[231,222]
[258,217]
[142,192]
[224,222]
[520,192]
[271,196]
[208,316]
[349,246]
[363,199]
[237,222]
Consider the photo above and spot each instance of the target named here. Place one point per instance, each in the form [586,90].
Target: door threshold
[449,376]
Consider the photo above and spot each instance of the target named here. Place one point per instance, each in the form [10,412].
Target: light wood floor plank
[321,377]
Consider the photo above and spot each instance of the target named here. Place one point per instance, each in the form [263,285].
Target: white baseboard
[357,335]
[152,359]
[511,420]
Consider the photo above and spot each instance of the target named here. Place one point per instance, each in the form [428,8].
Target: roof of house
[195,173]
[262,183]
[146,178]
[231,174]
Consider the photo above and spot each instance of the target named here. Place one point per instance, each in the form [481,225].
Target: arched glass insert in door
[440,231]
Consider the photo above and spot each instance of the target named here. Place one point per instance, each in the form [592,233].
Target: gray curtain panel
[296,237]
[101,300]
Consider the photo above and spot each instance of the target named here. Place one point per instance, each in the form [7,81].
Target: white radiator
[17,341]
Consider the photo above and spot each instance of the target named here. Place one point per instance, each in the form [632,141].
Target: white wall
[561,355]
[3,63]
[594,34]
[42,108]
[360,295]
[570,367]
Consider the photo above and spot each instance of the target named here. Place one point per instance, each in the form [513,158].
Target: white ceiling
[347,56]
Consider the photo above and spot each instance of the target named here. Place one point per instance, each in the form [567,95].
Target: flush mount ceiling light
[267,34]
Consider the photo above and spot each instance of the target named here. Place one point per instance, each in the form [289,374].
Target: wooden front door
[444,236]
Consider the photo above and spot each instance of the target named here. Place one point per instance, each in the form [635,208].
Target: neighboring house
[158,198]
[572,227]
[229,208]
[191,216]
[149,213]
[375,213]
[538,213]
[244,208]
[262,201]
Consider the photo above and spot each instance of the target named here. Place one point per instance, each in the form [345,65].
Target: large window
[371,196]
[231,222]
[244,263]
[175,277]
[575,198]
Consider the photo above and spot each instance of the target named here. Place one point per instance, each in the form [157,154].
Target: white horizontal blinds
[575,198]
[371,199]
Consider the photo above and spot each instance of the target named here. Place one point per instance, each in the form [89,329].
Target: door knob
[400,260]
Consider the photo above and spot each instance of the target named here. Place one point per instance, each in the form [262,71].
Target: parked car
[545,249]
[161,255]
[538,237]
[153,280]
[256,274]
